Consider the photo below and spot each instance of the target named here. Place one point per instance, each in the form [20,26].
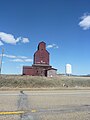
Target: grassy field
[17,81]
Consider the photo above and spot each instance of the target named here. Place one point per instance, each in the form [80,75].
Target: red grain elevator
[40,65]
[41,56]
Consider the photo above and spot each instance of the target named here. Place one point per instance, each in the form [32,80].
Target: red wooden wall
[41,56]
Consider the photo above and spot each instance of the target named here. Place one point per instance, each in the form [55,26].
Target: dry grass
[17,81]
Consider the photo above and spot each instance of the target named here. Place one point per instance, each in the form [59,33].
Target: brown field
[18,81]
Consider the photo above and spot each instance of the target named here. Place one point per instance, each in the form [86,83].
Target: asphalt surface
[46,105]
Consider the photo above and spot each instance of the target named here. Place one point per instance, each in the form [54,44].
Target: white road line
[33,94]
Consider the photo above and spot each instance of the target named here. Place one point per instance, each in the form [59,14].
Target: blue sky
[63,24]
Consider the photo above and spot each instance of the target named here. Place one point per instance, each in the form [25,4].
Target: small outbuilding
[51,72]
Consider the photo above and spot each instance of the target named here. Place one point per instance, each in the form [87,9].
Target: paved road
[46,105]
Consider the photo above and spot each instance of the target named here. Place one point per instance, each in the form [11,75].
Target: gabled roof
[52,69]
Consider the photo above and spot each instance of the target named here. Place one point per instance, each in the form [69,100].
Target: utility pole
[1,60]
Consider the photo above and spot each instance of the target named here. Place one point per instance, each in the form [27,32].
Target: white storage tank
[68,69]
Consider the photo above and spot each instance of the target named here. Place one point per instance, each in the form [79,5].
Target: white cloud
[18,39]
[10,39]
[49,46]
[25,40]
[17,60]
[85,22]
[22,60]
[52,46]
[9,56]
[14,58]
[28,60]
[22,57]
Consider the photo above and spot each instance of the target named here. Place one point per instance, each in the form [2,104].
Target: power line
[1,60]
